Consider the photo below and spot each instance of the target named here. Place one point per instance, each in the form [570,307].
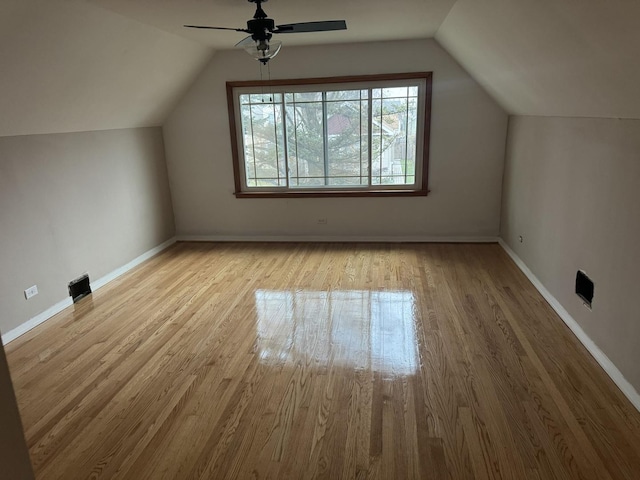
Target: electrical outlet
[520,239]
[31,292]
[322,221]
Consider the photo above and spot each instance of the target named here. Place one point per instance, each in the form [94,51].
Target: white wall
[76,202]
[572,191]
[467,153]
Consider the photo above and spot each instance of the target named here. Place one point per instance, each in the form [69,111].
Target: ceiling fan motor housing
[261,28]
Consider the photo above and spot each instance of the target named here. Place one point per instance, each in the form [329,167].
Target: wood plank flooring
[338,361]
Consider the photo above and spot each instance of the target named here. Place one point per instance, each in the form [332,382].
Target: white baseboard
[609,367]
[95,285]
[35,321]
[334,238]
[102,281]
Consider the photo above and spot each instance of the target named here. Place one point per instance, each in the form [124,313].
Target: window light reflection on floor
[346,328]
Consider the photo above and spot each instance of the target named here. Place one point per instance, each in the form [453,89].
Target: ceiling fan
[261,28]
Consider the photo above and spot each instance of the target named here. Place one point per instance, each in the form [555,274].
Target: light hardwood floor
[291,361]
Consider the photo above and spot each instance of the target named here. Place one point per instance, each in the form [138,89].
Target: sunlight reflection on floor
[373,330]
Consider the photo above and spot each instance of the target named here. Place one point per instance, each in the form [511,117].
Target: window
[341,136]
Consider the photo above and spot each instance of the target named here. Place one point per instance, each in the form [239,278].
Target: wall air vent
[79,288]
[584,288]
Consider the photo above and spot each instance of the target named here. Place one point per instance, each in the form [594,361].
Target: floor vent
[79,288]
[584,288]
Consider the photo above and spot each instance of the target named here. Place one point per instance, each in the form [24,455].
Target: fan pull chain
[262,82]
[270,86]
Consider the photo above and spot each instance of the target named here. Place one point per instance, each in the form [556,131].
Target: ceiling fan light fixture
[263,50]
[261,28]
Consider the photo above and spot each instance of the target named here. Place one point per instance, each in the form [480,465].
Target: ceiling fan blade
[311,27]
[245,41]
[216,28]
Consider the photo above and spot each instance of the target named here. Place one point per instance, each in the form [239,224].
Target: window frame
[370,191]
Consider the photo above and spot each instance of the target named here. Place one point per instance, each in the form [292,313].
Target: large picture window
[339,136]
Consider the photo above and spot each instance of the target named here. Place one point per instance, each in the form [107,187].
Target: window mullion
[253,146]
[325,135]
[360,136]
[295,132]
[283,116]
[370,136]
[406,136]
[381,137]
[275,135]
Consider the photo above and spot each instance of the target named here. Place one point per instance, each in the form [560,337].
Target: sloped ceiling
[70,66]
[367,20]
[75,65]
[548,57]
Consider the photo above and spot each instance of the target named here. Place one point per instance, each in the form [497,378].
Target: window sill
[334,193]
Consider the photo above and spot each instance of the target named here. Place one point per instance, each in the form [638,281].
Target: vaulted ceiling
[67,65]
[72,65]
[367,20]
[551,57]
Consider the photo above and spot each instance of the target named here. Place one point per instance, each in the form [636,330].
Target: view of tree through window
[330,138]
